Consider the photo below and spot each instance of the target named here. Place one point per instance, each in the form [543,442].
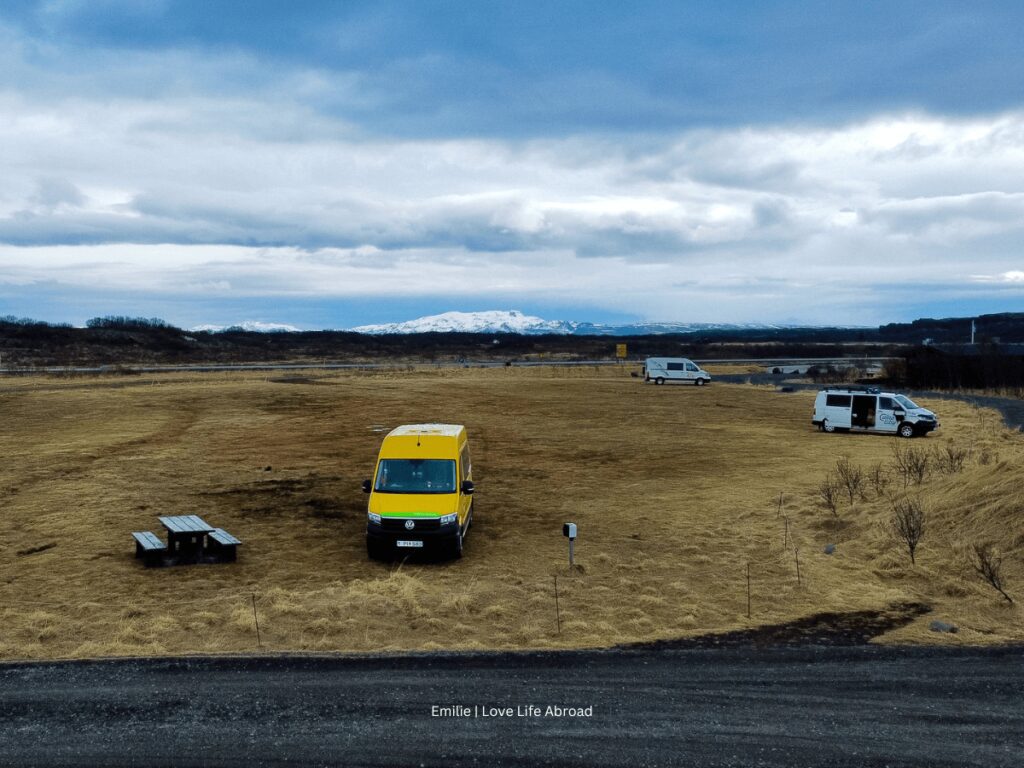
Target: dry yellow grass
[675,490]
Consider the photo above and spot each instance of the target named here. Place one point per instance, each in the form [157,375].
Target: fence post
[796,555]
[256,619]
[748,590]
[558,615]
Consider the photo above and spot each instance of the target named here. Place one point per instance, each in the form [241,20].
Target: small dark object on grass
[34,550]
[943,626]
[634,375]
[267,468]
[786,389]
[830,548]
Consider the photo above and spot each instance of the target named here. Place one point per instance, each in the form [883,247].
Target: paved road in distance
[788,707]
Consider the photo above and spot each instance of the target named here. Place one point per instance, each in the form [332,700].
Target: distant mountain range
[514,321]
[249,325]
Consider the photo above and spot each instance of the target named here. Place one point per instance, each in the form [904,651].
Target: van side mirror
[466,487]
[366,486]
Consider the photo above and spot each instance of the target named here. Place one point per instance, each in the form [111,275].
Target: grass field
[675,490]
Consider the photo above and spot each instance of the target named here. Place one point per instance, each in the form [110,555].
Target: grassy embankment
[675,490]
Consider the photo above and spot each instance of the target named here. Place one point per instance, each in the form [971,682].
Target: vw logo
[410,524]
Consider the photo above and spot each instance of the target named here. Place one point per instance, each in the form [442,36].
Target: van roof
[439,430]
[866,390]
[424,441]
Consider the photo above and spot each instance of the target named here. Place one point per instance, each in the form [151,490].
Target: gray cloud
[231,190]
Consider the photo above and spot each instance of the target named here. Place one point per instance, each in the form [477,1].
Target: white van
[662,369]
[866,409]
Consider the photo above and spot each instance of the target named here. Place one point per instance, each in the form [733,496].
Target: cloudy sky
[328,164]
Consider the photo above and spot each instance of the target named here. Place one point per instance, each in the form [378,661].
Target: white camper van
[662,369]
[866,409]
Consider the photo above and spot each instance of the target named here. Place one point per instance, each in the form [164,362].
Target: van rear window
[839,401]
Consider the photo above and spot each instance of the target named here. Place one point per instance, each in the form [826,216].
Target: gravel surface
[752,706]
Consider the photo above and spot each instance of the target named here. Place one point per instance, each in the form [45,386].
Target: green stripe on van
[409,514]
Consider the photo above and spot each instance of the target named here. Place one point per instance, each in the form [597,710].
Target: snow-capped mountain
[250,325]
[514,321]
[494,321]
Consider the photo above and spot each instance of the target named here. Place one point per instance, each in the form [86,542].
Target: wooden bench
[149,547]
[222,545]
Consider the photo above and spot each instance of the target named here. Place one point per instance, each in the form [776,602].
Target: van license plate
[409,543]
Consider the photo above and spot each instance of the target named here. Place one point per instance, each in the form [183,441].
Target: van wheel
[457,546]
[826,427]
[906,430]
[659,380]
[699,382]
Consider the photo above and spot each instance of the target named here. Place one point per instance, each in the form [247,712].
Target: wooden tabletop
[185,524]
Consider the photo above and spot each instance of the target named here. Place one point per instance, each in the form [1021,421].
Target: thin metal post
[796,555]
[748,590]
[255,618]
[785,535]
[572,559]
[558,615]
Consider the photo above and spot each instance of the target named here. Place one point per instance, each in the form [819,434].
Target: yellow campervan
[421,495]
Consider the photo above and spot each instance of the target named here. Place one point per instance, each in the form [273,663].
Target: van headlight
[449,519]
[374,517]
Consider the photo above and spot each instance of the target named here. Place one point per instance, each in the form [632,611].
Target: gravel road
[750,706]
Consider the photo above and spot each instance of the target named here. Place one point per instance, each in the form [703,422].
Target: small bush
[828,494]
[989,566]
[911,463]
[850,479]
[950,459]
[908,523]
[879,477]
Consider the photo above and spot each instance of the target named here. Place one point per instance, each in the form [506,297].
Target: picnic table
[186,536]
[190,539]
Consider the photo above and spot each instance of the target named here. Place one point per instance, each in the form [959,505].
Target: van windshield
[416,476]
[906,402]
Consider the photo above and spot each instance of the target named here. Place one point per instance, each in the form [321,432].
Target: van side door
[837,410]
[885,420]
[465,473]
[865,408]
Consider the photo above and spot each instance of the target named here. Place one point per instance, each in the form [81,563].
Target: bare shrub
[879,478]
[850,478]
[989,565]
[908,523]
[911,463]
[828,493]
[950,459]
